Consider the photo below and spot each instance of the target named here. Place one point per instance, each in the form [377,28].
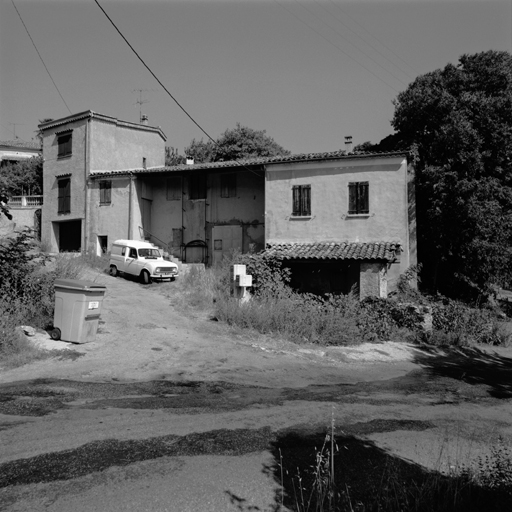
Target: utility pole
[140,101]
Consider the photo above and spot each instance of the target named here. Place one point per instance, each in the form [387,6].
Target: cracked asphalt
[168,411]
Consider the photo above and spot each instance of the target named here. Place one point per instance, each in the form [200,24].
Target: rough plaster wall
[21,218]
[109,220]
[118,147]
[53,166]
[369,279]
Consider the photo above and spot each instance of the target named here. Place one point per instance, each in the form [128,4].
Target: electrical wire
[350,43]
[165,88]
[321,4]
[376,38]
[34,44]
[154,76]
[337,46]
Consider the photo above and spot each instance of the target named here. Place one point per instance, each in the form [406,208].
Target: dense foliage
[23,177]
[237,143]
[458,123]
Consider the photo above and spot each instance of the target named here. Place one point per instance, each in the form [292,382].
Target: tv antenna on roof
[140,101]
[14,130]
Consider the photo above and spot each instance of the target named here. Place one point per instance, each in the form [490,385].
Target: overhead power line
[337,46]
[154,76]
[34,44]
[165,88]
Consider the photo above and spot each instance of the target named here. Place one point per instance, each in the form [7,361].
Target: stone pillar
[372,279]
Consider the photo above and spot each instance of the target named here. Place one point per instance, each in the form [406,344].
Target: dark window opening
[228,185]
[174,188]
[358,198]
[197,186]
[103,244]
[105,192]
[301,200]
[64,142]
[64,202]
[144,163]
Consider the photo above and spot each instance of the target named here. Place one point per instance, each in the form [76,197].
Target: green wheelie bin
[77,310]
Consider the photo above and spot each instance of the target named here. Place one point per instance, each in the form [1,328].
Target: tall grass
[274,308]
[27,294]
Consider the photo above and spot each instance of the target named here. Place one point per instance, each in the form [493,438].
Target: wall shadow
[472,366]
[367,478]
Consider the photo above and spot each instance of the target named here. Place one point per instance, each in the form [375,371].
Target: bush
[27,280]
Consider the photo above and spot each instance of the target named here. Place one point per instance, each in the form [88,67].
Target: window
[133,253]
[64,142]
[197,186]
[64,203]
[102,244]
[358,198]
[144,163]
[174,188]
[301,200]
[105,192]
[228,185]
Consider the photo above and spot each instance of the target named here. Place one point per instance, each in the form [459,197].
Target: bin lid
[79,284]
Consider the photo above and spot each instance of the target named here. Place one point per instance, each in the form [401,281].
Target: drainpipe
[87,164]
[130,194]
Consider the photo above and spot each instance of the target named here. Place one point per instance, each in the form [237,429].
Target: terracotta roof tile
[18,143]
[337,250]
[259,161]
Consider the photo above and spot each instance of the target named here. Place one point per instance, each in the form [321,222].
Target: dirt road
[165,411]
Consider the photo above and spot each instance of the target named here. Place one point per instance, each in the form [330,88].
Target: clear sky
[309,72]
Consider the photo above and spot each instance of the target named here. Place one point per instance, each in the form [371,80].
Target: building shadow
[367,478]
[472,366]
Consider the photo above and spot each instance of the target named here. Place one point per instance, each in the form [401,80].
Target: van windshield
[149,253]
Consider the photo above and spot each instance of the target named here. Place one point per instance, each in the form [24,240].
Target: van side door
[131,261]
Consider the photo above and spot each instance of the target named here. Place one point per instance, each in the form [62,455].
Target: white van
[140,259]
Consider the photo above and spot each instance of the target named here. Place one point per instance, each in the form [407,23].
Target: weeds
[357,477]
[27,294]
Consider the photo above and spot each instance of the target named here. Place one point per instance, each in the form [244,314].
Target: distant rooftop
[20,144]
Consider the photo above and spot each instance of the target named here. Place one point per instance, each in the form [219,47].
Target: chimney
[144,119]
[190,161]
[348,144]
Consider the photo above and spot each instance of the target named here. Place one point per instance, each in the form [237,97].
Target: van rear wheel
[145,277]
[113,271]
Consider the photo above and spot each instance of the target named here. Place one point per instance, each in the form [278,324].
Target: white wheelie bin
[77,310]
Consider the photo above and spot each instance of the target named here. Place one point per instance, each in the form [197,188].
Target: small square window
[228,185]
[197,186]
[358,202]
[174,192]
[301,196]
[217,245]
[64,198]
[105,192]
[64,142]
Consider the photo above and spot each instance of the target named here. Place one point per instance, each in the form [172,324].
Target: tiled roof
[336,250]
[18,143]
[259,161]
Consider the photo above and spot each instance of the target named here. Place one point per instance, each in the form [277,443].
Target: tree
[172,157]
[458,123]
[234,144]
[23,177]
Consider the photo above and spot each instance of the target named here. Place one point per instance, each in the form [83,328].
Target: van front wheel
[145,277]
[113,271]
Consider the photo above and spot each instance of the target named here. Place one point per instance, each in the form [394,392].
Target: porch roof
[387,251]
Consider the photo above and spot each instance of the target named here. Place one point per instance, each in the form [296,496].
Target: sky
[309,72]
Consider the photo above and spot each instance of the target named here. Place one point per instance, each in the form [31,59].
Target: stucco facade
[195,225]
[95,142]
[390,215]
